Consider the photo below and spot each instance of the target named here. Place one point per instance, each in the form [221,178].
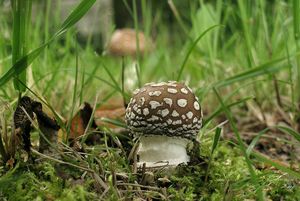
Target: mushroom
[123,43]
[165,116]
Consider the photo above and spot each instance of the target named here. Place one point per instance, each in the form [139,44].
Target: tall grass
[296,12]
[138,54]
[21,27]
[22,63]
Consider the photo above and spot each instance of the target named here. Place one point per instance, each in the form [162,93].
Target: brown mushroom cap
[123,43]
[166,108]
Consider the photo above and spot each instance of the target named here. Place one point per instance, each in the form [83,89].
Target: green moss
[229,179]
[40,183]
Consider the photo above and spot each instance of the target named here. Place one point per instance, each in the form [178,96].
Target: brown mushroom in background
[166,116]
[123,44]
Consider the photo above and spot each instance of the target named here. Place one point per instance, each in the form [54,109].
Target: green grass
[231,54]
[20,42]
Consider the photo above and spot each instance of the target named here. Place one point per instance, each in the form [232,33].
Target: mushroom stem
[158,150]
[131,75]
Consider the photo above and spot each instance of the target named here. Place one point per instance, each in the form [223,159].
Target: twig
[133,156]
[4,130]
[139,185]
[100,182]
[2,149]
[60,161]
[104,193]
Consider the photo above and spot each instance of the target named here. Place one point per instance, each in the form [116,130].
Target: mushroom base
[158,151]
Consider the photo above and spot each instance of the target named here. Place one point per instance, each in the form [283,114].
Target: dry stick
[115,139]
[12,145]
[285,116]
[104,193]
[133,149]
[5,137]
[101,169]
[135,159]
[118,174]
[260,109]
[133,156]
[114,177]
[164,193]
[60,161]
[97,178]
[138,189]
[139,185]
[143,170]
[95,175]
[100,181]
[163,197]
[219,125]
[2,149]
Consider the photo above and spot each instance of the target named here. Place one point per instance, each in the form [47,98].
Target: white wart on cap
[166,115]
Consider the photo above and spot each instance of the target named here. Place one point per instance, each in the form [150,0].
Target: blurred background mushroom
[123,43]
[128,43]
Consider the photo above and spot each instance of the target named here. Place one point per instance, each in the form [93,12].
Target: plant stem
[296,12]
[138,58]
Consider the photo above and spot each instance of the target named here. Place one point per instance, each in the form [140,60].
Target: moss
[40,182]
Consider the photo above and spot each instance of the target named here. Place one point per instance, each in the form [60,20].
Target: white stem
[131,79]
[158,150]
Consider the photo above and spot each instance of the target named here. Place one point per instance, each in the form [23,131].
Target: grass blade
[21,65]
[267,68]
[260,195]
[138,56]
[235,91]
[255,140]
[290,131]
[220,109]
[26,60]
[178,18]
[21,18]
[75,16]
[115,83]
[114,122]
[296,12]
[74,96]
[216,139]
[192,48]
[214,146]
[263,159]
